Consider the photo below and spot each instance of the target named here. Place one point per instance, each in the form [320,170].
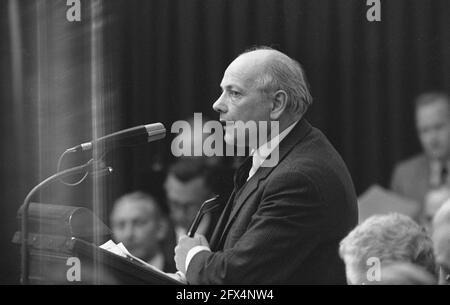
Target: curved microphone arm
[25,206]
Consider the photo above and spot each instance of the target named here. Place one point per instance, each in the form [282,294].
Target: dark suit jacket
[287,222]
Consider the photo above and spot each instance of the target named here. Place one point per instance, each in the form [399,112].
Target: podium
[63,250]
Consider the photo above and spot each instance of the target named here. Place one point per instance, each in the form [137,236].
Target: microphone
[207,206]
[131,136]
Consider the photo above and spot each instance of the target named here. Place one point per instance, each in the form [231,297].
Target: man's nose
[220,105]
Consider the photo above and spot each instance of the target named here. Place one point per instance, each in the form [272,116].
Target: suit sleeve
[284,230]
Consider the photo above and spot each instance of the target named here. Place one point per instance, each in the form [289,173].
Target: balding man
[139,222]
[284,219]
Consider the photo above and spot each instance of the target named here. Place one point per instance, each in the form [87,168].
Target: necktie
[240,177]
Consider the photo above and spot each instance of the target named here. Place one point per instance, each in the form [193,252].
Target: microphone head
[155,131]
[127,137]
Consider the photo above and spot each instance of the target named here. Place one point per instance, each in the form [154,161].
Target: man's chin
[231,139]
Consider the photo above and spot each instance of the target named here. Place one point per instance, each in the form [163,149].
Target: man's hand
[184,245]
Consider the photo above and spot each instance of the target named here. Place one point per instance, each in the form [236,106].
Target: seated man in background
[382,240]
[190,182]
[424,178]
[139,222]
[441,241]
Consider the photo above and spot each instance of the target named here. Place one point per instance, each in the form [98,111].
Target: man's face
[241,98]
[136,225]
[441,242]
[185,198]
[433,125]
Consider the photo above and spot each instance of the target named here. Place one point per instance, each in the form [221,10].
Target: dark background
[131,62]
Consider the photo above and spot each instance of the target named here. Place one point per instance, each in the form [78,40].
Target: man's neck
[157,260]
[283,124]
[154,252]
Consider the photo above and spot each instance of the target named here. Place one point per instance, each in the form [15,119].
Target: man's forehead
[439,106]
[245,69]
[127,208]
[184,191]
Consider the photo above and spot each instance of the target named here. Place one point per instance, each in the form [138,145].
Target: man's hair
[141,196]
[390,238]
[428,98]
[285,73]
[189,168]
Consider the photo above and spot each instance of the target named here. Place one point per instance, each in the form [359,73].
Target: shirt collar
[261,154]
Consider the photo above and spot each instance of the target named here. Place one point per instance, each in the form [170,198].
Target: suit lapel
[296,135]
[216,235]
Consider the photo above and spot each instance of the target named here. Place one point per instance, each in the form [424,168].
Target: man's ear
[279,104]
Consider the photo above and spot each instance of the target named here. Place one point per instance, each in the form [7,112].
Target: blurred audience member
[441,240]
[139,222]
[190,182]
[424,178]
[382,240]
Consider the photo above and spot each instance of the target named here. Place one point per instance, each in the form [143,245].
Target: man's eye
[234,93]
[119,226]
[140,222]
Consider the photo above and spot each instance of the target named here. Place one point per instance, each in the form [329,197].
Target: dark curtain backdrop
[364,76]
[130,62]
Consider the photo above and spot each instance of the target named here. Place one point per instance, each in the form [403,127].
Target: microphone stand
[26,204]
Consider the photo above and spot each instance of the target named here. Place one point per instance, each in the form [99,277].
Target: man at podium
[284,220]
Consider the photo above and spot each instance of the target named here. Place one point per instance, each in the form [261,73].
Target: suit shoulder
[316,153]
[315,159]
